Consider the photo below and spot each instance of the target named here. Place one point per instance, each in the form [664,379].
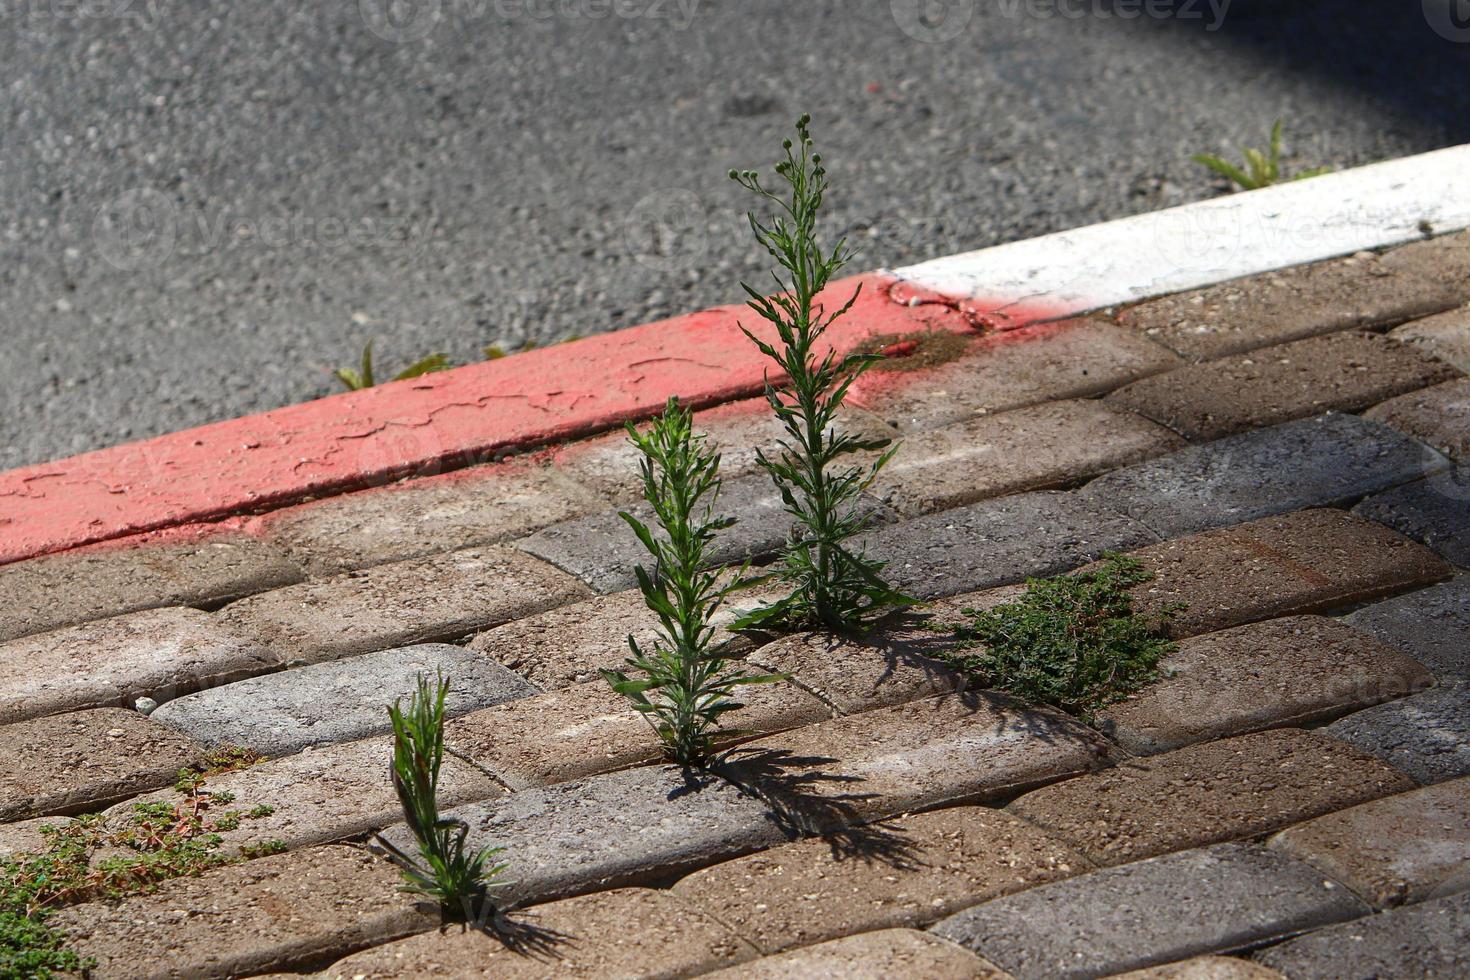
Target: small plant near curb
[684,685]
[362,377]
[831,583]
[1260,169]
[1072,642]
[444,871]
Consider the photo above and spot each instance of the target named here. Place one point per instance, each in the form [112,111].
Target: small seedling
[460,881]
[684,684]
[1072,642]
[356,380]
[831,583]
[1261,169]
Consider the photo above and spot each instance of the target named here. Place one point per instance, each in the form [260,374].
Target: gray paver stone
[1431,940]
[882,955]
[1445,335]
[337,701]
[1431,625]
[421,600]
[1426,736]
[1211,900]
[1313,462]
[1435,511]
[997,542]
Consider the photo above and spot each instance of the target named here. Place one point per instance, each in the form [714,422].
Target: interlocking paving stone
[418,601]
[1427,735]
[1399,849]
[337,701]
[603,551]
[622,828]
[182,567]
[1341,294]
[248,918]
[1339,372]
[1211,900]
[478,506]
[1439,416]
[1435,511]
[1431,625]
[587,729]
[610,464]
[85,760]
[323,794]
[1428,940]
[1205,794]
[569,644]
[627,932]
[881,955]
[110,663]
[910,757]
[1314,462]
[1034,448]
[1445,335]
[1012,369]
[1292,671]
[997,542]
[854,674]
[1305,561]
[1444,258]
[1204,968]
[905,872]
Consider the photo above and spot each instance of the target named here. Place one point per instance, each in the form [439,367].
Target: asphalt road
[208,205]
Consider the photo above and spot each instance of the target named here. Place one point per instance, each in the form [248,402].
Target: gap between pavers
[1428,940]
[1426,736]
[882,955]
[1212,900]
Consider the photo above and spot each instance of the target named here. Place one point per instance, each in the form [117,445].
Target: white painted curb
[1212,241]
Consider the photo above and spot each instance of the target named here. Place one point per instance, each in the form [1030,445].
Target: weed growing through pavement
[831,583]
[1260,169]
[444,871]
[362,377]
[1073,642]
[685,684]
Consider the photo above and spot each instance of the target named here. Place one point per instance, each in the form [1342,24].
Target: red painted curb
[439,422]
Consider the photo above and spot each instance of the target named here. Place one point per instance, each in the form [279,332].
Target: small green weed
[1261,169]
[683,685]
[831,583]
[1072,642]
[362,377]
[444,871]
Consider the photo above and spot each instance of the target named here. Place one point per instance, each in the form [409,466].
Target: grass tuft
[1260,169]
[363,377]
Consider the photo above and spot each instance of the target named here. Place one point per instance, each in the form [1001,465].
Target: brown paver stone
[248,918]
[188,566]
[1439,416]
[1339,372]
[1035,448]
[1341,294]
[1013,369]
[1446,336]
[627,932]
[325,794]
[1444,258]
[478,506]
[1283,672]
[905,872]
[968,747]
[85,760]
[1430,940]
[1204,968]
[159,653]
[588,728]
[1212,900]
[1219,791]
[1400,849]
[883,955]
[418,601]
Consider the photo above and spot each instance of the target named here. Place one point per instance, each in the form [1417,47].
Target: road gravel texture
[209,205]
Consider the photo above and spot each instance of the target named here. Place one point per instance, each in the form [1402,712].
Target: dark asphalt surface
[207,205]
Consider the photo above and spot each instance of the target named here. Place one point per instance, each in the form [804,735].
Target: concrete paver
[1428,940]
[880,955]
[1444,335]
[1435,511]
[1426,736]
[1431,625]
[1438,416]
